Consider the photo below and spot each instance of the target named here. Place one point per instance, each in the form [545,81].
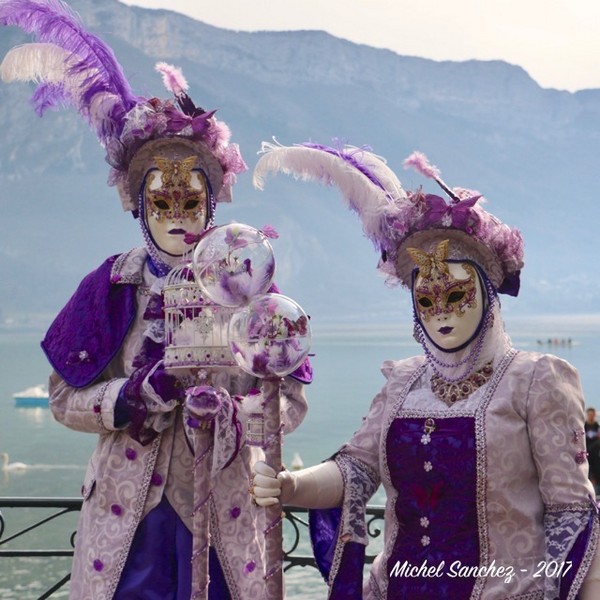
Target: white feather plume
[35,62]
[372,202]
[44,63]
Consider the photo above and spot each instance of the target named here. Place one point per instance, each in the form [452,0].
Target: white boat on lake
[36,395]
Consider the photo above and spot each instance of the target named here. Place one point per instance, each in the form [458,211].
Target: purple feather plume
[53,21]
[48,96]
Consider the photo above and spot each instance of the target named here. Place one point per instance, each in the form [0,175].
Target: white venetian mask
[175,203]
[448,298]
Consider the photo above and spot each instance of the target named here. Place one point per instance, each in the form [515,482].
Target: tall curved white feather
[37,62]
[45,63]
[373,191]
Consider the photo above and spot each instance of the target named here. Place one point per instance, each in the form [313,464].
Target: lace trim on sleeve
[572,533]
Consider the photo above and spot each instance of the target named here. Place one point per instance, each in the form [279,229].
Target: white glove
[269,488]
[320,486]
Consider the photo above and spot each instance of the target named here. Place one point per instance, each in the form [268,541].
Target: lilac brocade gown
[485,496]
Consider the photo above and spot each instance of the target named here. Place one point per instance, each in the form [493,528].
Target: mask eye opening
[161,204]
[456,296]
[191,204]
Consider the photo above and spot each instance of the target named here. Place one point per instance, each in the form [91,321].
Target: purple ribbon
[178,121]
[458,213]
[201,122]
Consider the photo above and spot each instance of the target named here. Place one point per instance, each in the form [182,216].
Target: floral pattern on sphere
[234,263]
[270,337]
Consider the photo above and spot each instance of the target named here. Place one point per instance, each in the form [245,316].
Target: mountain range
[533,152]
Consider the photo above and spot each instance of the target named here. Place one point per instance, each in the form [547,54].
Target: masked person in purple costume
[480,448]
[171,163]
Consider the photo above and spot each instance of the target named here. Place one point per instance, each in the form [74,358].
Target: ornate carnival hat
[395,220]
[76,68]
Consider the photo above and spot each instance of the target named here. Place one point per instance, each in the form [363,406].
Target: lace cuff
[571,538]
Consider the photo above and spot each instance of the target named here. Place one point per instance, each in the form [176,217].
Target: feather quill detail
[419,162]
[372,197]
[173,78]
[49,96]
[55,22]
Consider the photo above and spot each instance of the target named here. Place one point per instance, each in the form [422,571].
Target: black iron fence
[24,541]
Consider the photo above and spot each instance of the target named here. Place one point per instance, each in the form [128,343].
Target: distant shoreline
[542,327]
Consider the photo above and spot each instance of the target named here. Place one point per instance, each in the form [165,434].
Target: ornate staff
[202,441]
[274,517]
[269,337]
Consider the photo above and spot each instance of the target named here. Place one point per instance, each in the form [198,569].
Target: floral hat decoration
[75,68]
[396,220]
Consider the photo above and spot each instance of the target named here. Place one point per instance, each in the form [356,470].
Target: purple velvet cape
[90,330]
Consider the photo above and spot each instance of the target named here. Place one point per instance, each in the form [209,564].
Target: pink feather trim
[419,162]
[172,77]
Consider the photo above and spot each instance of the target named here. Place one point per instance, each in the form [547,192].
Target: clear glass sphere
[270,337]
[233,264]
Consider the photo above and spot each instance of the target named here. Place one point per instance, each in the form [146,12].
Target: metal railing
[295,533]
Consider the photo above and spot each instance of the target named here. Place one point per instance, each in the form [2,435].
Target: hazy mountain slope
[533,152]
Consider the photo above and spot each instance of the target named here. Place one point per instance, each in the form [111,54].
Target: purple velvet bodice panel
[90,330]
[348,583]
[432,466]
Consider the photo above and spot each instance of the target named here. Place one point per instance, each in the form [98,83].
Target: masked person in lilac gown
[171,163]
[480,447]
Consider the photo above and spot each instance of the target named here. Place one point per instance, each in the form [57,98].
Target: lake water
[347,376]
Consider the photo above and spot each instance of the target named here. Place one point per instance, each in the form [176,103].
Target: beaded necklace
[452,392]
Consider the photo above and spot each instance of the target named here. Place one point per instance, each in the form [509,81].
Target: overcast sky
[556,41]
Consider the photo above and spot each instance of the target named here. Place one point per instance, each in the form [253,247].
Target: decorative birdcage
[195,327]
